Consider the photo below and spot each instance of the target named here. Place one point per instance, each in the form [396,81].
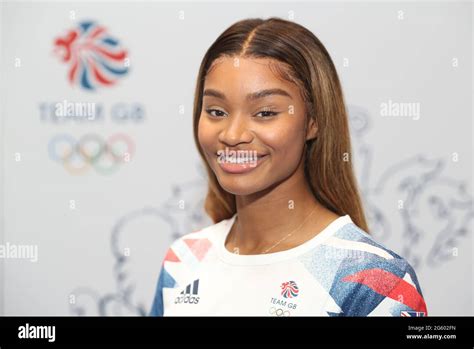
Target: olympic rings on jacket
[105,156]
[279,312]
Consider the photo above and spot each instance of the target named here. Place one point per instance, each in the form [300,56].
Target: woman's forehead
[244,64]
[247,75]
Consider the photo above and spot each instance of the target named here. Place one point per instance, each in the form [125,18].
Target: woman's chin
[243,186]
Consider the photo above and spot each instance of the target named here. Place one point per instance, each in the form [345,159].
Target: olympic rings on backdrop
[105,156]
[279,312]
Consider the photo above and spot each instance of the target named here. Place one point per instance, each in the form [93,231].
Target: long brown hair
[303,60]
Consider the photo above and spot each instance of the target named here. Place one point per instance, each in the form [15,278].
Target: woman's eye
[266,114]
[215,113]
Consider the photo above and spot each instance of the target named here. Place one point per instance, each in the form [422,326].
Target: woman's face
[252,125]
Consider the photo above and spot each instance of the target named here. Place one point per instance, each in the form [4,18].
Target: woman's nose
[236,130]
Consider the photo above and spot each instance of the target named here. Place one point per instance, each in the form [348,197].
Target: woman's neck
[265,217]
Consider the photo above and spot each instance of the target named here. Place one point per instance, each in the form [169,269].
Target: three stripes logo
[190,294]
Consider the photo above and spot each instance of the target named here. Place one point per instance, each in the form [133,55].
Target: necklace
[237,251]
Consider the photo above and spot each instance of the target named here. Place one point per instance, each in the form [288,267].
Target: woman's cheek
[281,137]
[287,148]
[205,135]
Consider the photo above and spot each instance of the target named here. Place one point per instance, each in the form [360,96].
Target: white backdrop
[101,236]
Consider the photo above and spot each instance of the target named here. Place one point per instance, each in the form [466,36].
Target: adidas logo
[189,295]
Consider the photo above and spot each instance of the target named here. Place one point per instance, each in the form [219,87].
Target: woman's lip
[258,155]
[241,168]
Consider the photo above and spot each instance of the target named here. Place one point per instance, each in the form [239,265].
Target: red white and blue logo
[95,58]
[289,289]
[407,313]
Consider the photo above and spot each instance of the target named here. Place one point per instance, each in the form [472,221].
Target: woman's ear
[312,129]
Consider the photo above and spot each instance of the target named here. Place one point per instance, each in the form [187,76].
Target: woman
[290,236]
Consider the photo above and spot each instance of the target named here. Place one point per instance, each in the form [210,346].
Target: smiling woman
[290,236]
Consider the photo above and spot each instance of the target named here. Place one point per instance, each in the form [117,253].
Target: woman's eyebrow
[214,93]
[251,96]
[268,92]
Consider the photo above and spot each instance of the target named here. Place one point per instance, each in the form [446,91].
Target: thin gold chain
[236,249]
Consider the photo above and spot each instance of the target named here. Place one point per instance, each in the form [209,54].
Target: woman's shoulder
[195,246]
[368,256]
[375,279]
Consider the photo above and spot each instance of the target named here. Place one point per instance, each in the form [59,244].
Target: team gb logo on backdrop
[95,58]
